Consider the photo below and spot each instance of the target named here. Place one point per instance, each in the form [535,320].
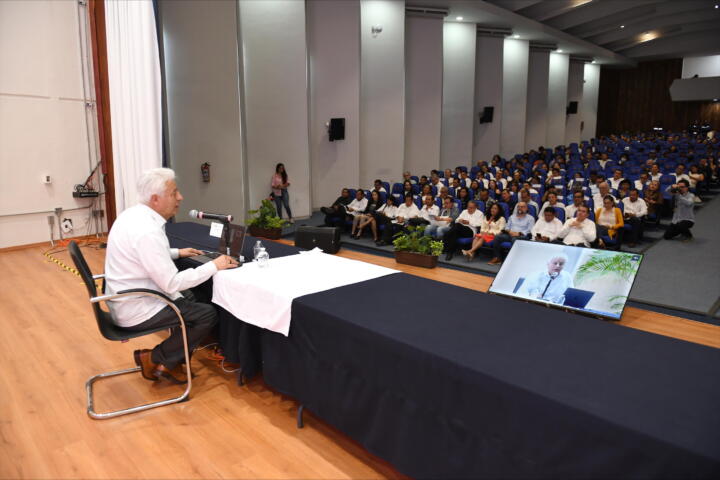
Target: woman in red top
[279,185]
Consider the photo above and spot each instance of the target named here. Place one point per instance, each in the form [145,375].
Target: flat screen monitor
[594,282]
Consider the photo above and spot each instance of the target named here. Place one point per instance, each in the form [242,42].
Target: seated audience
[464,196]
[363,219]
[527,200]
[493,223]
[407,178]
[680,173]
[552,201]
[465,225]
[578,199]
[385,215]
[378,185]
[518,228]
[623,189]
[616,179]
[653,198]
[635,209]
[683,217]
[550,284]
[357,206]
[335,214]
[655,173]
[579,231]
[603,191]
[507,198]
[642,182]
[547,226]
[407,188]
[427,213]
[609,220]
[444,220]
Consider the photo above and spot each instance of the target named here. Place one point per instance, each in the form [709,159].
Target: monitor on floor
[596,282]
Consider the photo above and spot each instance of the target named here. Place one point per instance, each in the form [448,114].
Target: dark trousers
[636,229]
[458,230]
[505,237]
[390,228]
[683,227]
[199,318]
[283,199]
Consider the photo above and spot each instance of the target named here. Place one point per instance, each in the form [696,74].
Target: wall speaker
[487,115]
[336,129]
[572,108]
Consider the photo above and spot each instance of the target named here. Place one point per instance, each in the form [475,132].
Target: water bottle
[263,258]
[256,249]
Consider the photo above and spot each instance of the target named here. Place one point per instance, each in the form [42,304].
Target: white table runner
[263,296]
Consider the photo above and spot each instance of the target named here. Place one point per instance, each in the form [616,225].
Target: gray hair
[561,256]
[153,182]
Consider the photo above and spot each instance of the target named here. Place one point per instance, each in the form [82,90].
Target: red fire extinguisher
[205,170]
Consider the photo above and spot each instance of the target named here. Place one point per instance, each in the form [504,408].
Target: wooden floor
[50,346]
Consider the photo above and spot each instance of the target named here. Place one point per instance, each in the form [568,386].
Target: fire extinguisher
[205,170]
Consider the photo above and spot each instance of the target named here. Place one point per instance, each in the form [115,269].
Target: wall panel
[576,73]
[514,98]
[536,124]
[557,99]
[488,93]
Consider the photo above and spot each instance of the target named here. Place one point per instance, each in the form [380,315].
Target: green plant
[265,216]
[602,264]
[413,240]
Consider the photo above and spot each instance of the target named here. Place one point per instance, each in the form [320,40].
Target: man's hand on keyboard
[189,252]
[223,262]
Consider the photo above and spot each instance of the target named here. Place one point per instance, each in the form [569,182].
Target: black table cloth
[443,381]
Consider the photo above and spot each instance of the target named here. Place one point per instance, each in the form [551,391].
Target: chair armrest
[133,292]
[98,276]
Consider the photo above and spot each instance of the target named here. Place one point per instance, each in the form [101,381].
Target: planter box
[416,259]
[271,233]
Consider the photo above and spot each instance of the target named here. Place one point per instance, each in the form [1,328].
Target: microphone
[210,216]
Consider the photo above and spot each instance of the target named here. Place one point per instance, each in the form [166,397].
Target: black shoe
[380,243]
[326,210]
[448,256]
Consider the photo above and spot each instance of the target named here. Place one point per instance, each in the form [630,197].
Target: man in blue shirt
[518,228]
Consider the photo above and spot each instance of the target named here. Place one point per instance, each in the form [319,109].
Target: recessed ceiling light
[516,36]
[593,61]
[716,6]
[559,50]
[622,26]
[459,19]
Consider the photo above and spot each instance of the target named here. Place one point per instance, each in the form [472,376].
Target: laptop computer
[576,298]
[237,240]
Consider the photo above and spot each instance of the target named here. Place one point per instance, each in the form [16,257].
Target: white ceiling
[592,28]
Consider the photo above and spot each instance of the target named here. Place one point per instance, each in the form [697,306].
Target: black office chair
[109,330]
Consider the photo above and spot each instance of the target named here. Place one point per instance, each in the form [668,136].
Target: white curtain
[135,95]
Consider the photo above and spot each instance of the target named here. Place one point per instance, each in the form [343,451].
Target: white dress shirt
[493,228]
[570,211]
[389,211]
[407,212]
[429,213]
[639,185]
[551,289]
[584,234]
[547,229]
[358,206]
[615,183]
[598,199]
[637,208]
[475,220]
[139,256]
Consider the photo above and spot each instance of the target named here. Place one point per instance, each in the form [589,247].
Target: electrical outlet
[99,213]
[67,225]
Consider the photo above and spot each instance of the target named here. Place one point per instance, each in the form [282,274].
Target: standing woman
[280,184]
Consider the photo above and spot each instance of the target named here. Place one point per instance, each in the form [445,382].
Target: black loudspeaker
[326,239]
[572,108]
[487,115]
[336,130]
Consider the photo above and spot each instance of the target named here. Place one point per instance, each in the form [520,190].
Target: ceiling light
[716,6]
[559,50]
[593,61]
[622,26]
[516,36]
[459,19]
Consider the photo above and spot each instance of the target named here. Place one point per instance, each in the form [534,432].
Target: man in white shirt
[406,178]
[616,179]
[358,205]
[680,174]
[547,227]
[428,212]
[655,173]
[635,208]
[406,211]
[579,231]
[466,225]
[603,191]
[642,182]
[139,256]
[527,199]
[550,285]
[578,199]
[443,221]
[378,185]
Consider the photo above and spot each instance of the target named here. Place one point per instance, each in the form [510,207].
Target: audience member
[492,224]
[616,179]
[335,214]
[683,217]
[635,209]
[653,198]
[642,182]
[680,173]
[464,196]
[363,219]
[385,215]
[428,212]
[603,191]
[465,225]
[408,178]
[552,201]
[527,199]
[579,231]
[623,189]
[378,185]
[357,206]
[547,227]
[507,198]
[655,173]
[609,220]
[443,221]
[578,199]
[517,228]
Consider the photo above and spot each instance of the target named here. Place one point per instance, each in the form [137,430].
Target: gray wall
[488,93]
[557,99]
[276,98]
[574,94]
[382,91]
[423,92]
[591,89]
[536,123]
[334,54]
[201,67]
[514,96]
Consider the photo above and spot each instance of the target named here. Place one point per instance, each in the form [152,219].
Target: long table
[443,381]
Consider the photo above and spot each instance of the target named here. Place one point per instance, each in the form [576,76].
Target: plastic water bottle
[263,258]
[256,249]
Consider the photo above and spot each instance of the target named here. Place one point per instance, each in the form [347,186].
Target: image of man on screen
[550,285]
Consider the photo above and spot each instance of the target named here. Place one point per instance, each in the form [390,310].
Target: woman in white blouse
[493,223]
[384,215]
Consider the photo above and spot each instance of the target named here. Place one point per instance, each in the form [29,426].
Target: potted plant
[412,247]
[265,222]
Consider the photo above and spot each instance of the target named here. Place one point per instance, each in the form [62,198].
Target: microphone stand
[226,227]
